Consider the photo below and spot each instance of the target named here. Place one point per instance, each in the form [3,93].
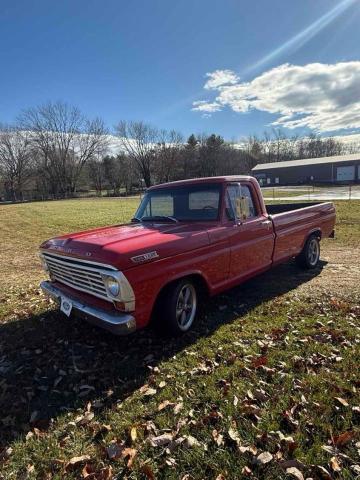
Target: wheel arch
[315,231]
[201,285]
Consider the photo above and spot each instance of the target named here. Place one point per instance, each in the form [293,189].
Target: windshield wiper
[159,218]
[135,220]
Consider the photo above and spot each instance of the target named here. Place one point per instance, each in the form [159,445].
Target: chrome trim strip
[50,252]
[117,323]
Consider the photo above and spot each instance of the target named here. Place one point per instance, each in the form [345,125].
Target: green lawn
[267,380]
[278,193]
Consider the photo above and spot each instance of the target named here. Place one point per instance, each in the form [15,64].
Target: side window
[239,203]
[232,193]
[245,192]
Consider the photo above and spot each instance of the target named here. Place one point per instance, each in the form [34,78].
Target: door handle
[266,223]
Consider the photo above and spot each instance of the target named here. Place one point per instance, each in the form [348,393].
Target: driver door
[251,234]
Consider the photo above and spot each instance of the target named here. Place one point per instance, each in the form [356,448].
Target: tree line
[54,151]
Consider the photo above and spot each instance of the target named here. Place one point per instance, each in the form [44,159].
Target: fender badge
[144,257]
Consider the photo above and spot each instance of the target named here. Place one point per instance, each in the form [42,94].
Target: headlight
[112,286]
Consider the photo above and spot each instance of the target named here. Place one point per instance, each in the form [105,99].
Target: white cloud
[318,96]
[204,106]
[219,78]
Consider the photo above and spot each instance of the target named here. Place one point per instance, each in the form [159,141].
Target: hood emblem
[144,257]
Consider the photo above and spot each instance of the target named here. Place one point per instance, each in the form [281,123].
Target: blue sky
[282,62]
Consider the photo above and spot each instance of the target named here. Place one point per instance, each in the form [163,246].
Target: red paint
[222,252]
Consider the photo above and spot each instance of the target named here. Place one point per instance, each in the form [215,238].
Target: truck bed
[287,207]
[294,222]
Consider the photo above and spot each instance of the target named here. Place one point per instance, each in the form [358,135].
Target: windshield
[183,203]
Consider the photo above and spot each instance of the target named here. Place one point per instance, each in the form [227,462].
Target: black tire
[178,307]
[310,254]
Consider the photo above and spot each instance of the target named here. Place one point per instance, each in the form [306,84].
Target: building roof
[307,161]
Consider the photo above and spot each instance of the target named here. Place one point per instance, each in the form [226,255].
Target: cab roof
[195,181]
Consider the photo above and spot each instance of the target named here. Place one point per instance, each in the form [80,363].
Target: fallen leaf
[295,473]
[150,391]
[146,390]
[133,434]
[334,464]
[343,439]
[161,440]
[178,407]
[114,450]
[84,419]
[291,463]
[234,436]
[129,454]
[259,361]
[105,473]
[164,404]
[191,441]
[323,473]
[356,469]
[147,471]
[88,471]
[218,438]
[76,461]
[246,471]
[264,458]
[342,401]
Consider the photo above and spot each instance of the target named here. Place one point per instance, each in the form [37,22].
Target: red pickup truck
[187,238]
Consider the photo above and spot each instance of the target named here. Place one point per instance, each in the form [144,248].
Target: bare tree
[114,173]
[168,155]
[65,141]
[139,141]
[130,177]
[15,160]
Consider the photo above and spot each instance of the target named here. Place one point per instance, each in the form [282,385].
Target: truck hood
[125,246]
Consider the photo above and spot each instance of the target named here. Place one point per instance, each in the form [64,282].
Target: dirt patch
[340,274]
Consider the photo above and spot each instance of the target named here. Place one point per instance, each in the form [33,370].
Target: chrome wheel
[186,307]
[313,252]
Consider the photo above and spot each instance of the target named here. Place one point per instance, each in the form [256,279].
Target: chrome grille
[82,276]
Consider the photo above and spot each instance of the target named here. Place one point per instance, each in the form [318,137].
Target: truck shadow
[50,365]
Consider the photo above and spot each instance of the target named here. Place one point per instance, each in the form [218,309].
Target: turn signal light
[120,306]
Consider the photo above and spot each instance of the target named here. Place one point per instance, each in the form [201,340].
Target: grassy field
[278,193]
[266,386]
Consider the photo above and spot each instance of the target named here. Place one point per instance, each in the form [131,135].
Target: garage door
[345,173]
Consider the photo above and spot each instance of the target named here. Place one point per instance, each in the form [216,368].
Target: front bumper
[116,323]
